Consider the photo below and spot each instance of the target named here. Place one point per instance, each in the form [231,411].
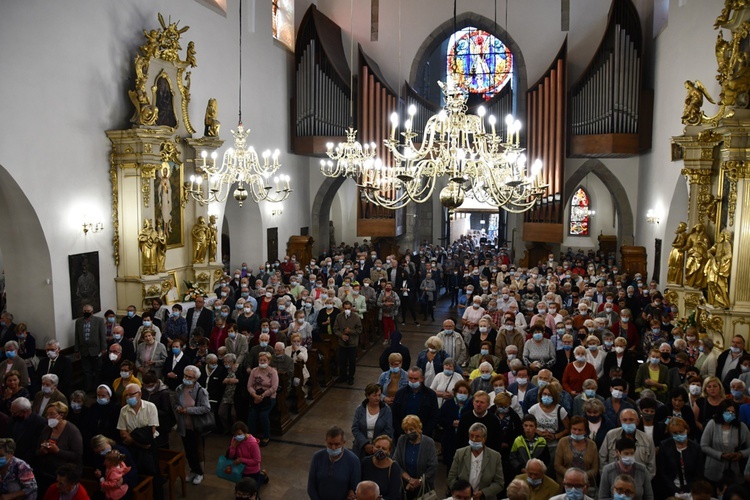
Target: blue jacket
[385,380]
[428,409]
[437,363]
[383,425]
[333,480]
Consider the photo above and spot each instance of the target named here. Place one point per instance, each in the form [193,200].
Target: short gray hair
[192,369]
[230,357]
[479,427]
[541,464]
[21,404]
[51,377]
[53,343]
[11,343]
[212,357]
[576,470]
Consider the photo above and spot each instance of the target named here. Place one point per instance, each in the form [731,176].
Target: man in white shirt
[576,485]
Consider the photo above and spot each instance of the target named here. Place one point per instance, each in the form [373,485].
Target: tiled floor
[287,458]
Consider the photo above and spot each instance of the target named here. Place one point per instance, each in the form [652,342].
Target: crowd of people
[568,378]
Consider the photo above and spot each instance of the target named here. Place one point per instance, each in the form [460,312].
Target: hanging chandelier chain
[240,68]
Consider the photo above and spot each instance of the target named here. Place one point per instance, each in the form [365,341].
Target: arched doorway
[26,259]
[626,226]
[321,212]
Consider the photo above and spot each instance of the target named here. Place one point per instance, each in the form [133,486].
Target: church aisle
[287,459]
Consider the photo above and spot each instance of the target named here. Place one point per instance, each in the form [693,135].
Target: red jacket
[572,379]
[53,493]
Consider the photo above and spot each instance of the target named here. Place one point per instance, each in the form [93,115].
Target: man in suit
[730,359]
[91,344]
[212,379]
[479,465]
[49,394]
[199,316]
[175,364]
[131,322]
[7,327]
[59,365]
[119,337]
[26,429]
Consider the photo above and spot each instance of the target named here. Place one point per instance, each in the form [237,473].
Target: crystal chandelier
[349,159]
[240,165]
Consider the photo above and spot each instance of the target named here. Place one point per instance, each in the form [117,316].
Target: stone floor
[287,458]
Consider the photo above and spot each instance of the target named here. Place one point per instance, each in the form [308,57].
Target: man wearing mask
[347,327]
[91,344]
[119,337]
[26,428]
[645,452]
[131,322]
[199,316]
[53,362]
[334,472]
[453,343]
[416,399]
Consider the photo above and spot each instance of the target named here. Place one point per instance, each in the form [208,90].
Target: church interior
[636,109]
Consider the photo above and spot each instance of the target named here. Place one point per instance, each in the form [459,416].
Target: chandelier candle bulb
[492,123]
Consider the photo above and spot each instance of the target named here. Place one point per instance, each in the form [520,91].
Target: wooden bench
[144,490]
[298,390]
[312,367]
[172,467]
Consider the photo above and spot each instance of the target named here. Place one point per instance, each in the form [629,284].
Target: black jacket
[215,383]
[205,320]
[178,369]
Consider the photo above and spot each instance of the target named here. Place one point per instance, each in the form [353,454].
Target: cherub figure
[692,114]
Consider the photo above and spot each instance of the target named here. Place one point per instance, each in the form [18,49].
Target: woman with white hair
[191,405]
[48,394]
[482,381]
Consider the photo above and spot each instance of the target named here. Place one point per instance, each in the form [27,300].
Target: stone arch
[321,210]
[626,226]
[27,261]
[446,29]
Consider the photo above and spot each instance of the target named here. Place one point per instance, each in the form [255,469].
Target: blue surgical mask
[542,384]
[131,314]
[627,460]
[147,323]
[240,437]
[577,437]
[567,348]
[486,376]
[476,445]
[176,314]
[111,319]
[187,382]
[590,393]
[534,482]
[10,354]
[415,385]
[628,428]
[335,453]
[573,493]
[547,400]
[395,369]
[448,373]
[538,336]
[132,401]
[3,461]
[105,451]
[102,401]
[680,438]
[176,351]
[737,394]
[462,397]
[117,336]
[484,352]
[728,417]
[264,344]
[620,496]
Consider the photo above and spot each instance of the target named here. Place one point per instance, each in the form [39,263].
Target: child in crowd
[112,484]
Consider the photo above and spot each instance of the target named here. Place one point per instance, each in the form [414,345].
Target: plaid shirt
[19,477]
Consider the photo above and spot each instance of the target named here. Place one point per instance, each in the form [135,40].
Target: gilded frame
[169,187]
[173,278]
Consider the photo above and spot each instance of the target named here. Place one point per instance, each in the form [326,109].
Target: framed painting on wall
[83,269]
[168,211]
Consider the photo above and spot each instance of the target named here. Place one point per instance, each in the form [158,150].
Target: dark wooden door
[273,243]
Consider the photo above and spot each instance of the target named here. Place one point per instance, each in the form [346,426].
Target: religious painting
[722,210]
[168,212]
[165,102]
[579,214]
[173,294]
[479,62]
[83,269]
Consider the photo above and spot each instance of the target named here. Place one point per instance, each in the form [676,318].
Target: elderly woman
[430,360]
[191,405]
[103,416]
[427,296]
[150,354]
[707,360]
[262,386]
[595,355]
[593,411]
[481,378]
[444,381]
[303,328]
[416,455]
[552,418]
[538,352]
[653,375]
[577,450]
[127,376]
[393,379]
[450,416]
[499,385]
[371,418]
[679,461]
[12,390]
[78,413]
[726,444]
[59,443]
[381,469]
[485,333]
[489,481]
[48,394]
[18,477]
[14,362]
[709,404]
[298,352]
[577,372]
[99,446]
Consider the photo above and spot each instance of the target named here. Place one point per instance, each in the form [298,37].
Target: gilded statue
[147,243]
[190,57]
[200,234]
[696,253]
[692,114]
[211,123]
[213,238]
[676,263]
[726,12]
[161,250]
[718,268]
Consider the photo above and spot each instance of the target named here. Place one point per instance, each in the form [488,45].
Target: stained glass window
[479,62]
[282,22]
[579,213]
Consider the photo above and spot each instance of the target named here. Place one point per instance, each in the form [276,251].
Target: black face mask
[87,315]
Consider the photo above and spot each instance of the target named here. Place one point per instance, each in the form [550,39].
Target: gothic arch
[446,29]
[27,261]
[321,211]
[626,225]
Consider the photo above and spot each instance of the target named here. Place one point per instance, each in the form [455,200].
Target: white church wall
[71,67]
[684,51]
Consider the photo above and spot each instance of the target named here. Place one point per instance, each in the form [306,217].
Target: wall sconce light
[277,211]
[94,227]
[652,217]
[483,222]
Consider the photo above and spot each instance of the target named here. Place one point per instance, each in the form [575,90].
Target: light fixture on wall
[240,165]
[94,227]
[652,217]
[278,210]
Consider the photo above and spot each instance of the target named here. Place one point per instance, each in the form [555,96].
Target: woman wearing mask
[302,328]
[485,333]
[381,469]
[625,464]
[552,417]
[653,375]
[150,354]
[450,415]
[623,358]
[577,450]
[538,352]
[371,418]
[248,323]
[416,454]
[709,404]
[262,386]
[444,382]
[726,444]
[245,450]
[59,443]
[191,401]
[679,461]
[430,360]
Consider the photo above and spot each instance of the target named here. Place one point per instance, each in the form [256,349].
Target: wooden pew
[280,419]
[312,367]
[144,490]
[172,467]
[298,390]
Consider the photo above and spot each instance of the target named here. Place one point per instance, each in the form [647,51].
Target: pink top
[263,382]
[248,451]
[112,486]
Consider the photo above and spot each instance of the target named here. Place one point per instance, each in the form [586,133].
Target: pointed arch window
[480,62]
[580,213]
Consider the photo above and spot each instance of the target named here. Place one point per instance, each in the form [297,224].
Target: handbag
[204,423]
[424,493]
[227,469]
